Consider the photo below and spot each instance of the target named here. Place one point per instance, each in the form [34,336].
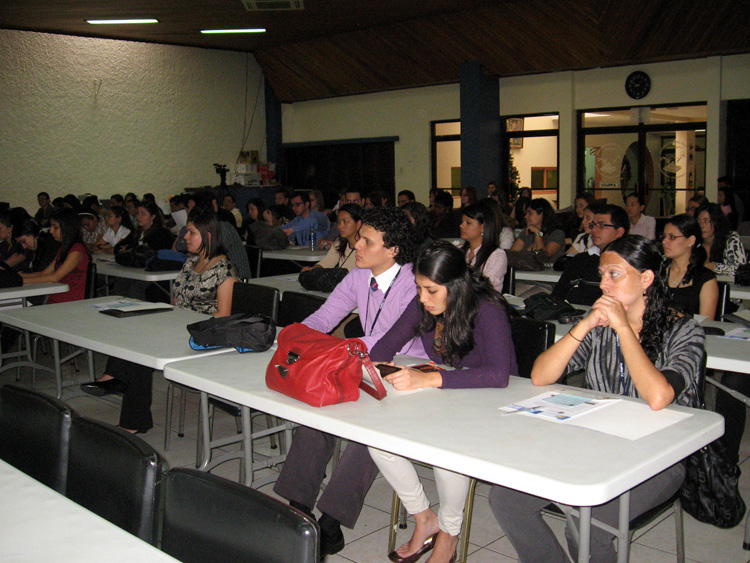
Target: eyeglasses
[601,225]
[692,208]
[671,237]
[298,204]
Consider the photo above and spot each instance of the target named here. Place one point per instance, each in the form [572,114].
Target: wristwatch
[539,234]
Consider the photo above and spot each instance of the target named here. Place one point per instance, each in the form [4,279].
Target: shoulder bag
[247,333]
[322,279]
[710,492]
[319,369]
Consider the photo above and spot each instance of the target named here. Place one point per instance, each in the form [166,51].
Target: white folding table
[106,266]
[462,430]
[285,282]
[149,340]
[39,524]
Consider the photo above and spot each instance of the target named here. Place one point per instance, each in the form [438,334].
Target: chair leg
[272,421]
[90,356]
[679,532]
[168,421]
[392,530]
[746,542]
[463,545]
[183,408]
[336,455]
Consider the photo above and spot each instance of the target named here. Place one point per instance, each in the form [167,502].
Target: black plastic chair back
[211,519]
[530,338]
[116,475]
[254,257]
[90,291]
[509,281]
[255,300]
[34,434]
[296,307]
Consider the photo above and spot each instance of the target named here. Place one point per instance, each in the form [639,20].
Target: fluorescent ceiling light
[102,22]
[249,30]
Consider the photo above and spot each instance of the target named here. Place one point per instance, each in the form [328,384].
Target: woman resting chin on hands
[462,321]
[632,344]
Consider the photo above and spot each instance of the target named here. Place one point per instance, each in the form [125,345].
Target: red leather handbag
[319,369]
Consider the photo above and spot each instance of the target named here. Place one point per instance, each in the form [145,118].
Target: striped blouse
[682,353]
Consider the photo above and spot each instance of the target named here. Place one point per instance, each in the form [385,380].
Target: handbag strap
[377,390]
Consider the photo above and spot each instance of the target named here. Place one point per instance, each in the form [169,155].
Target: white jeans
[452,489]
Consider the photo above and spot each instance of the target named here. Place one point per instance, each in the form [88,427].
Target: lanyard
[367,313]
[624,383]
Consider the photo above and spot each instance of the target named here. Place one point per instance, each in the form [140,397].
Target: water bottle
[312,238]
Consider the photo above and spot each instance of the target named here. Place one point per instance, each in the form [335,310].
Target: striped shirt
[681,356]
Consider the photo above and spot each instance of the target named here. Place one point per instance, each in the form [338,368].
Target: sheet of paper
[127,305]
[557,407]
[629,419]
[739,333]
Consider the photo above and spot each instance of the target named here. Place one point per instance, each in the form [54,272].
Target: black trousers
[136,402]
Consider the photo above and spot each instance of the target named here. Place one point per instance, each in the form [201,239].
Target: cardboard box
[246,179]
[246,168]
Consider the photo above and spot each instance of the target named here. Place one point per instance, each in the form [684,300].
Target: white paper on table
[740,333]
[629,419]
[126,305]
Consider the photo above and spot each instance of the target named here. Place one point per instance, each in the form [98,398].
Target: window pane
[647,115]
[537,153]
[448,154]
[541,122]
[448,128]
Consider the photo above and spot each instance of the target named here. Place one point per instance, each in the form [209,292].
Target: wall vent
[260,5]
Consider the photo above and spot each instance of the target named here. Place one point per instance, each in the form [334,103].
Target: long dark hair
[154,210]
[120,212]
[522,203]
[722,230]
[422,220]
[689,227]
[482,213]
[70,231]
[643,254]
[549,218]
[444,264]
[206,223]
[356,212]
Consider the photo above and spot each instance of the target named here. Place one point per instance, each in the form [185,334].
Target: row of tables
[569,464]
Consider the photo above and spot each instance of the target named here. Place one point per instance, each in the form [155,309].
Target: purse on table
[247,333]
[322,279]
[319,369]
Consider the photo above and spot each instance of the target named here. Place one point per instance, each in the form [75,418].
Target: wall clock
[638,85]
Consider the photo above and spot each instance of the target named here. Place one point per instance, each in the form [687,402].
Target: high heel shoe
[428,544]
[101,388]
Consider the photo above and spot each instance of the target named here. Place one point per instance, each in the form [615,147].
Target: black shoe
[101,388]
[331,537]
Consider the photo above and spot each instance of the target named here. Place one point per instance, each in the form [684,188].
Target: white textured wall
[92,115]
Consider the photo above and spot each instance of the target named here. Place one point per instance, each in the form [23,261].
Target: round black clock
[638,85]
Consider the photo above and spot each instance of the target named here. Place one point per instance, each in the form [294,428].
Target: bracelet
[570,333]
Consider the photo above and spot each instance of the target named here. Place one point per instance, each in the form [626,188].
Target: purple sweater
[489,364]
[353,292]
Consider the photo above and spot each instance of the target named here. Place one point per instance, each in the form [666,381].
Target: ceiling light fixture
[117,22]
[248,30]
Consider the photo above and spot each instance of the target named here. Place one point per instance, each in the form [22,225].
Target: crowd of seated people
[431,299]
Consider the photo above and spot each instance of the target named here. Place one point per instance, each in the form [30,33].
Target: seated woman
[70,263]
[118,228]
[151,231]
[92,229]
[255,208]
[463,322]
[341,253]
[204,285]
[10,251]
[723,245]
[692,286]
[419,216]
[583,242]
[630,344]
[541,233]
[478,229]
[41,246]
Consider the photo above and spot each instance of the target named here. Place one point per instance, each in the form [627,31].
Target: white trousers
[452,489]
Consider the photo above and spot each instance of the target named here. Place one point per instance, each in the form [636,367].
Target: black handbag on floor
[710,492]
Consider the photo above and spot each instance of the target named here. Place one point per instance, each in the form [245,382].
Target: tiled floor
[367,542]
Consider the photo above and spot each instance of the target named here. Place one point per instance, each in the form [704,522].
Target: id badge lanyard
[375,321]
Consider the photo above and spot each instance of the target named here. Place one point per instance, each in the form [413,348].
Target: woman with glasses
[723,245]
[542,233]
[693,286]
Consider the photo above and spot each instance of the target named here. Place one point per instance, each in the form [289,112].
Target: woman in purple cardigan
[463,322]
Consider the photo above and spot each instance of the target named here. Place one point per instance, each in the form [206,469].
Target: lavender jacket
[353,292]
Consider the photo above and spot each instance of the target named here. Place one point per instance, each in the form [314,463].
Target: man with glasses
[579,282]
[694,203]
[298,229]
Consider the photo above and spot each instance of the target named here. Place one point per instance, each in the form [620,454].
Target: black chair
[116,475]
[210,519]
[530,338]
[256,300]
[296,307]
[509,281]
[90,291]
[34,434]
